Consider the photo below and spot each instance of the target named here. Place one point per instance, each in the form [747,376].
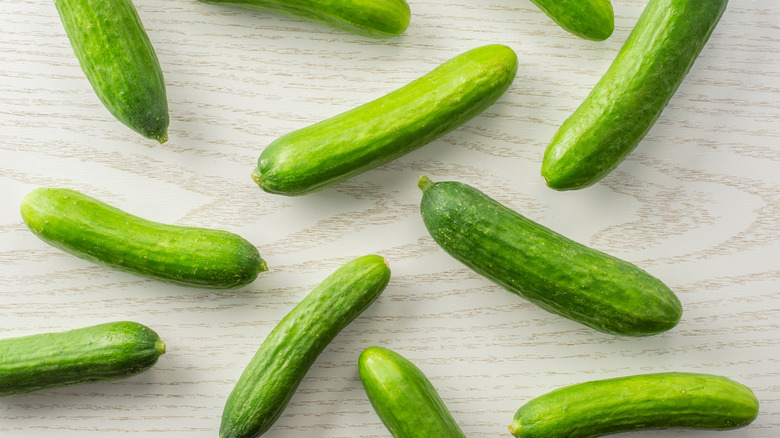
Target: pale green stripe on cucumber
[631,95]
[557,274]
[104,352]
[274,373]
[403,397]
[589,19]
[103,234]
[119,61]
[370,18]
[380,131]
[645,401]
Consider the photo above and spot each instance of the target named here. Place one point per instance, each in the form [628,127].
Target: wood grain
[696,204]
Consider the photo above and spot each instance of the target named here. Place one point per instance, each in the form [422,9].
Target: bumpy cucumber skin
[378,19]
[646,401]
[544,267]
[274,373]
[102,352]
[119,61]
[380,131]
[97,232]
[405,400]
[589,19]
[631,95]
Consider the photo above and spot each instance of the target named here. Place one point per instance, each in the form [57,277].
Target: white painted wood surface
[696,204]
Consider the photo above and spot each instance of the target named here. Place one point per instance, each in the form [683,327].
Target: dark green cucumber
[589,19]
[631,95]
[274,373]
[100,233]
[405,400]
[544,267]
[646,401]
[110,351]
[341,147]
[119,61]
[369,18]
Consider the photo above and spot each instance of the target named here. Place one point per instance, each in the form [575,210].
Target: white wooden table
[697,204]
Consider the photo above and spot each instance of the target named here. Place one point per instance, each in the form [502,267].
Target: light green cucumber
[544,267]
[405,400]
[274,373]
[110,351]
[370,18]
[373,134]
[589,19]
[100,233]
[119,61]
[631,95]
[645,401]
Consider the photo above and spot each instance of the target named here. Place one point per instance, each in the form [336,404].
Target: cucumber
[405,400]
[274,373]
[373,134]
[370,18]
[544,267]
[110,351]
[119,61]
[645,401]
[589,19]
[631,95]
[100,233]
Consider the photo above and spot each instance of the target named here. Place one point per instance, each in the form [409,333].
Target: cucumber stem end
[514,428]
[162,138]
[159,346]
[424,183]
[257,178]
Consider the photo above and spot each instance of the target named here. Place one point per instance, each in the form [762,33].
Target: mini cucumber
[110,351]
[274,373]
[370,18]
[589,19]
[100,233]
[405,400]
[119,61]
[353,142]
[631,95]
[544,267]
[646,401]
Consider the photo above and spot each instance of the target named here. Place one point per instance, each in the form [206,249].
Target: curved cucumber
[100,233]
[631,95]
[341,147]
[276,370]
[118,59]
[589,19]
[369,18]
[550,270]
[646,401]
[403,397]
[98,353]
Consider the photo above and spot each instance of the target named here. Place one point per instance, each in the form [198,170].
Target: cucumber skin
[589,19]
[97,232]
[119,61]
[405,400]
[544,267]
[631,95]
[645,401]
[274,373]
[378,19]
[102,352]
[380,131]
